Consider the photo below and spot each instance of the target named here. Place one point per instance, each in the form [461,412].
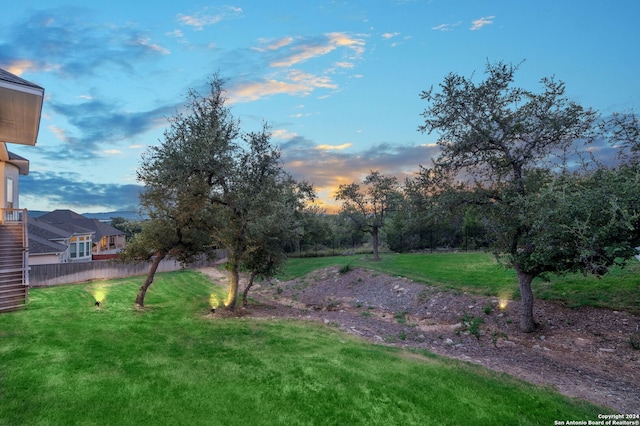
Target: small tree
[512,143]
[207,185]
[253,191]
[368,207]
[199,143]
[270,235]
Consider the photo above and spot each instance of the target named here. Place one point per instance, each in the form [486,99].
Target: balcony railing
[13,216]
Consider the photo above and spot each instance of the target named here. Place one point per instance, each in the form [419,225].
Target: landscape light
[99,295]
[214,303]
[503,304]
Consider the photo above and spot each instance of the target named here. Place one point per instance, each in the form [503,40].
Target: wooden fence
[77,272]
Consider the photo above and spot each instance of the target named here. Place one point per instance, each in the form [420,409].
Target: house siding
[8,171]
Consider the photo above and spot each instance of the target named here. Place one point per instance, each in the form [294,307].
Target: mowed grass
[63,361]
[479,273]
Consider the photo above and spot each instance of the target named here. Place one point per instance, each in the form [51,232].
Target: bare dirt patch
[583,353]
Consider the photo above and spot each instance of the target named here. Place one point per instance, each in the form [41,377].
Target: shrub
[345,268]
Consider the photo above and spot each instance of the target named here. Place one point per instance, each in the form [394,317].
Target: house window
[9,193]
[80,247]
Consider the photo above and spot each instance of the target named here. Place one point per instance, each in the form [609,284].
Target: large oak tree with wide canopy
[516,151]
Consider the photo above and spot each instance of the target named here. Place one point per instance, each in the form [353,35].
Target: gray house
[53,244]
[87,239]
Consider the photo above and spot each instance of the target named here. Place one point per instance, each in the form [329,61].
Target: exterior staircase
[14,275]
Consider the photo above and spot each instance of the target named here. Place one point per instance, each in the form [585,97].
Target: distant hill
[126,214]
[103,217]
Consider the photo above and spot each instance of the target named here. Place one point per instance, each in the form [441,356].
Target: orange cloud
[333,147]
[275,45]
[329,166]
[283,134]
[479,23]
[253,91]
[203,18]
[20,66]
[296,83]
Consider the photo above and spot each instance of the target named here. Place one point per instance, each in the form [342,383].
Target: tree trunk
[152,272]
[233,286]
[527,323]
[246,289]
[374,234]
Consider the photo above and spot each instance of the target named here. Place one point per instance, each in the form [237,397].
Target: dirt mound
[584,353]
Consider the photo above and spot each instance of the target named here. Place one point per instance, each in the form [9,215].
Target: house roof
[12,78]
[43,237]
[20,109]
[20,162]
[71,220]
[43,229]
[39,245]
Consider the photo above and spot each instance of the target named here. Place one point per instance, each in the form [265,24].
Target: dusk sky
[338,81]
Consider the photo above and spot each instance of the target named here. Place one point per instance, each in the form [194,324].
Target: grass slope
[63,362]
[479,273]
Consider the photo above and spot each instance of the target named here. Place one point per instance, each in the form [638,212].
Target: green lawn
[63,361]
[479,273]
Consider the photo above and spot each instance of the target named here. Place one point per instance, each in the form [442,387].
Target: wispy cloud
[387,36]
[209,16]
[283,134]
[66,42]
[479,23]
[290,51]
[266,44]
[145,42]
[284,53]
[446,27]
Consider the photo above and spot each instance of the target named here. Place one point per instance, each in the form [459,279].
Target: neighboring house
[106,241]
[53,244]
[20,111]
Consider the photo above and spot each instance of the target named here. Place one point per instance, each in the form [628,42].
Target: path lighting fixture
[99,295]
[214,303]
[503,304]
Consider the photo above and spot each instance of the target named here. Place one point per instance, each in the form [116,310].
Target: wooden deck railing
[13,215]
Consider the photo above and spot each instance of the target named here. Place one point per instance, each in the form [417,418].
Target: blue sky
[338,81]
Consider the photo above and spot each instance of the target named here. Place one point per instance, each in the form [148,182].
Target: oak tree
[368,206]
[208,185]
[512,147]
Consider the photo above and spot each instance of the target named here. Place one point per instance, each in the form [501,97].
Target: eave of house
[9,157]
[20,109]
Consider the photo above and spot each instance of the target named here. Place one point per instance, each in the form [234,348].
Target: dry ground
[583,353]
